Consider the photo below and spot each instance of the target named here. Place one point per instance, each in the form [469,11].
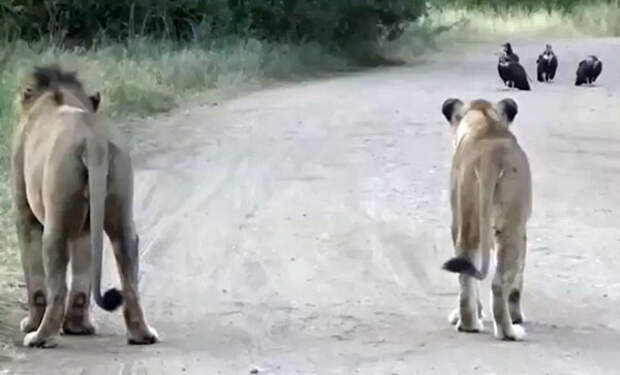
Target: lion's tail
[97,164]
[487,178]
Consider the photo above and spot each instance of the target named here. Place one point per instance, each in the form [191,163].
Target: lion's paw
[147,338]
[454,317]
[32,340]
[27,326]
[81,327]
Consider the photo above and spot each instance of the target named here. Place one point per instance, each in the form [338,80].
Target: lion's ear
[451,109]
[508,109]
[95,100]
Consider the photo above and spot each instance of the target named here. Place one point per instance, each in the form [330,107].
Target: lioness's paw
[454,316]
[518,332]
[27,326]
[147,338]
[476,328]
[519,319]
[74,327]
[514,333]
[33,340]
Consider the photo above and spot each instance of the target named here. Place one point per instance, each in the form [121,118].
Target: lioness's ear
[27,94]
[95,100]
[508,109]
[450,107]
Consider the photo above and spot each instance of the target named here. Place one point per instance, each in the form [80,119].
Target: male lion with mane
[491,189]
[71,181]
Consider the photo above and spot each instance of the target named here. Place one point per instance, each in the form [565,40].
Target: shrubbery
[324,21]
[290,20]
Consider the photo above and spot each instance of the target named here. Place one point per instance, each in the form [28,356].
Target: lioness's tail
[97,164]
[487,178]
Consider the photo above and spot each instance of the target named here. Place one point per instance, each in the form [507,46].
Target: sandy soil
[301,230]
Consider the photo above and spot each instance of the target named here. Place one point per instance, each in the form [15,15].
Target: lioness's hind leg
[469,319]
[455,314]
[514,305]
[516,294]
[55,259]
[30,233]
[503,283]
[77,317]
[125,244]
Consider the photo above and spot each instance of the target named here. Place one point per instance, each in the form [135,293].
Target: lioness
[71,181]
[491,189]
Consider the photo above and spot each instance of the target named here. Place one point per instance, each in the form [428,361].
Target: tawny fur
[71,181]
[491,202]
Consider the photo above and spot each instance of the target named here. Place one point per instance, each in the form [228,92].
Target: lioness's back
[490,202]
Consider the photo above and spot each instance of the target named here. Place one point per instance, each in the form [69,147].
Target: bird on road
[547,65]
[588,70]
[512,73]
[510,54]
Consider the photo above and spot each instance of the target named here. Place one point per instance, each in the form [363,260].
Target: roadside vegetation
[487,20]
[147,56]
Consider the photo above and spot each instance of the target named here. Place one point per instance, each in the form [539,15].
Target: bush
[340,21]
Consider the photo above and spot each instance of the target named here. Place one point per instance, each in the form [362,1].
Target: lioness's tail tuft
[461,265]
[111,300]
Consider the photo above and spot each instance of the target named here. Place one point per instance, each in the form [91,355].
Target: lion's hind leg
[29,236]
[508,254]
[55,259]
[77,317]
[125,243]
[30,233]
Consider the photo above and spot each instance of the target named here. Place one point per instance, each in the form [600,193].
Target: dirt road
[301,230]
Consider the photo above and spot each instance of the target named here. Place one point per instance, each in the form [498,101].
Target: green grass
[147,77]
[476,26]
[9,263]
[449,28]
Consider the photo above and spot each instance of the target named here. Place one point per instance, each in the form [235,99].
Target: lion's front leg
[77,317]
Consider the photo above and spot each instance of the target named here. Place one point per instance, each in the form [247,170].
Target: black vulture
[510,54]
[588,70]
[512,73]
[547,65]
